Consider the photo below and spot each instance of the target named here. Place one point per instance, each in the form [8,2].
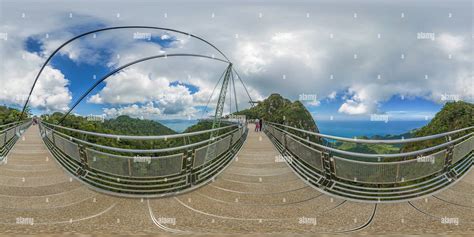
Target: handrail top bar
[131,137]
[12,123]
[369,141]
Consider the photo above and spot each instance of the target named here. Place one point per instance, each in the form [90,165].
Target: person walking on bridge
[261,124]
[257,125]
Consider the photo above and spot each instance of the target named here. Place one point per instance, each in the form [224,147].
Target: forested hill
[124,125]
[453,116]
[133,126]
[277,109]
[9,115]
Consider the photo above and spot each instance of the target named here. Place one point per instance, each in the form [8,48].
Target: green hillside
[120,125]
[9,115]
[453,116]
[277,109]
[133,126]
[367,148]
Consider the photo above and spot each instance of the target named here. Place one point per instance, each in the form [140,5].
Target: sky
[345,60]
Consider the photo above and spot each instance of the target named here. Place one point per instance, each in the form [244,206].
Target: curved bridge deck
[257,193]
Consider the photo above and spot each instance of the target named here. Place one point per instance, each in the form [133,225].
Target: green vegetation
[277,109]
[453,116]
[122,125]
[9,115]
[372,148]
[367,148]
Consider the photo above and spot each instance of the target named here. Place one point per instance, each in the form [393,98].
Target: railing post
[84,160]
[328,170]
[129,161]
[448,161]
[191,176]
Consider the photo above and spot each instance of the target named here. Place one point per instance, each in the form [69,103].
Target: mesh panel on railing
[384,172]
[157,166]
[236,135]
[10,134]
[108,163]
[220,147]
[49,135]
[200,155]
[58,141]
[2,139]
[270,129]
[423,166]
[279,136]
[71,149]
[462,149]
[310,155]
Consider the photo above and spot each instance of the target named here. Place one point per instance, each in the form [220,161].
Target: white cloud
[147,111]
[18,73]
[353,108]
[358,100]
[132,86]
[332,95]
[252,58]
[451,43]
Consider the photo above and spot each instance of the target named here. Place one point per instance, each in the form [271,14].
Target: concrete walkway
[257,193]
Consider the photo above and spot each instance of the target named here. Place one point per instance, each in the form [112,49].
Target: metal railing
[369,177]
[9,134]
[129,168]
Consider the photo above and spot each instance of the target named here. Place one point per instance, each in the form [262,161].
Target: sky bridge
[258,182]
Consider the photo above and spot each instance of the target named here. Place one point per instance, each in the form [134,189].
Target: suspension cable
[240,79]
[215,87]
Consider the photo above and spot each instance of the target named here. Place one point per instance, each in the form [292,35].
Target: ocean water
[178,125]
[367,128]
